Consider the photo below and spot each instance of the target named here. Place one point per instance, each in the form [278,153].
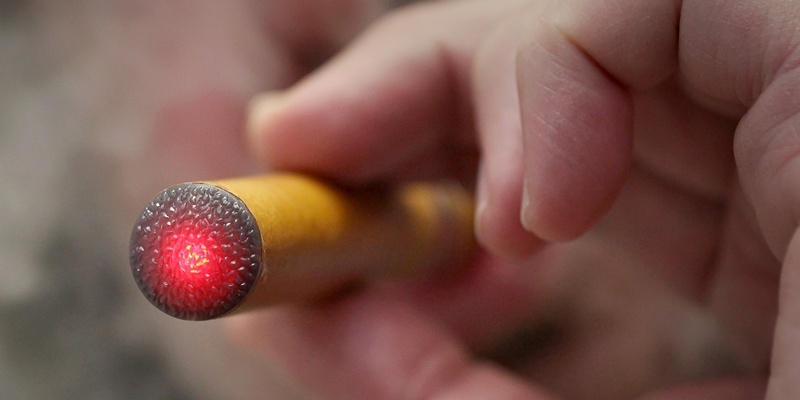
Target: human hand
[635,191]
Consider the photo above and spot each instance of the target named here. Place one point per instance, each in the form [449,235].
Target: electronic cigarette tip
[200,251]
[196,251]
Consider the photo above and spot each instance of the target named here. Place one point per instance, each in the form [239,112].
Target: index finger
[394,104]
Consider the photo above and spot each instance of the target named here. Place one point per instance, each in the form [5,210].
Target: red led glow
[195,251]
[193,257]
[193,272]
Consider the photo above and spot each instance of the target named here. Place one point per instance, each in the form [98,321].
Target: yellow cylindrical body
[319,238]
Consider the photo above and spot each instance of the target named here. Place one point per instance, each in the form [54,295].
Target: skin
[635,165]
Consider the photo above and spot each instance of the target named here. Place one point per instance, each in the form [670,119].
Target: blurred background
[103,104]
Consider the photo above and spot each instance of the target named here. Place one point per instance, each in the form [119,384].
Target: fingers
[574,76]
[499,195]
[313,30]
[371,346]
[763,76]
[754,68]
[395,103]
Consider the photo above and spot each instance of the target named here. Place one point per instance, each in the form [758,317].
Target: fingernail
[526,202]
[260,112]
[482,203]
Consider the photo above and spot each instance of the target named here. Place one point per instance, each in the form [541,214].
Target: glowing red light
[195,251]
[195,270]
[193,258]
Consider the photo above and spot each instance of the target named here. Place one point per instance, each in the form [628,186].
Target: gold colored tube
[316,238]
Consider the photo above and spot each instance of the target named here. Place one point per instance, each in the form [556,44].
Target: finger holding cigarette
[203,250]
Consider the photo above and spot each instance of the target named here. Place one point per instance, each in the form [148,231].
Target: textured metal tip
[195,251]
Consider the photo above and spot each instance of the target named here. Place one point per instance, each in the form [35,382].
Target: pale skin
[647,149]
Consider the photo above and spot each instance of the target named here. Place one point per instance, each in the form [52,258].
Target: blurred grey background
[102,104]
